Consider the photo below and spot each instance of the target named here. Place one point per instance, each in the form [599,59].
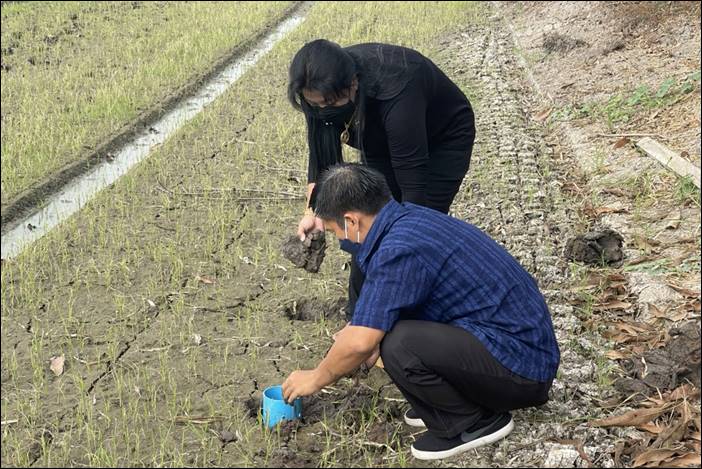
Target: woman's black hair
[323,66]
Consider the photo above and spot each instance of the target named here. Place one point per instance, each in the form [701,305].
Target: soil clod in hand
[596,247]
[307,254]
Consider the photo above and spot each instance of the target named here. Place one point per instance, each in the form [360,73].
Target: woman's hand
[308,224]
[301,383]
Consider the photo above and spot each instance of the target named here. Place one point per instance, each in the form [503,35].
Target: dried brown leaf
[618,354]
[655,311]
[579,447]
[652,457]
[631,418]
[203,279]
[624,332]
[685,291]
[671,435]
[57,365]
[615,277]
[543,115]
[686,391]
[686,460]
[621,142]
[612,305]
[651,428]
[679,315]
[693,306]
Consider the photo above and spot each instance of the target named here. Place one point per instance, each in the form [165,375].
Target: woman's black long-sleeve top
[411,110]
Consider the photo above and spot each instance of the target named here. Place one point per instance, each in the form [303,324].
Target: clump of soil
[313,309]
[596,247]
[288,427]
[253,405]
[382,432]
[319,407]
[668,367]
[307,254]
[556,42]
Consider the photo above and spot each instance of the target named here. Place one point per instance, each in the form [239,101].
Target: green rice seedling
[76,74]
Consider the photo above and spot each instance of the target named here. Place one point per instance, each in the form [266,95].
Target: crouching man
[461,327]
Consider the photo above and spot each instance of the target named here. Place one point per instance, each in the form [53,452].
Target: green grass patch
[75,73]
[686,192]
[622,107]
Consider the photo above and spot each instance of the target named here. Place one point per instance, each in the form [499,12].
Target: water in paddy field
[79,191]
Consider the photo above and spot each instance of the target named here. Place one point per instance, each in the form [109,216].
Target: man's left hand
[370,362]
[300,383]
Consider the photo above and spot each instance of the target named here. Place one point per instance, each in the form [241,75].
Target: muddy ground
[204,311]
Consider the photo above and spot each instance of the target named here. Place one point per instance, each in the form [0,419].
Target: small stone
[562,456]
[227,437]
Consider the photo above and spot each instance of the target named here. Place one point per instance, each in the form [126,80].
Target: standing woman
[395,106]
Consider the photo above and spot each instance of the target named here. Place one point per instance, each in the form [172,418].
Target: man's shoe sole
[485,440]
[414,422]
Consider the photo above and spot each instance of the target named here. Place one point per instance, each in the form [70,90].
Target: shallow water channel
[80,190]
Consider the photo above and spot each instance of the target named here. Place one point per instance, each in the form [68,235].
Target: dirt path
[521,190]
[513,192]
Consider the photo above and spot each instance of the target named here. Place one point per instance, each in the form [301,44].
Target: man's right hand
[340,331]
[308,224]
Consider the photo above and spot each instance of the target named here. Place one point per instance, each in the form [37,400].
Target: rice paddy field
[80,73]
[142,330]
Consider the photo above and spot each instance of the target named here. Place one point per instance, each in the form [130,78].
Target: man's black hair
[349,187]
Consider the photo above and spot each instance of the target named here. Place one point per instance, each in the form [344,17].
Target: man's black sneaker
[412,419]
[429,446]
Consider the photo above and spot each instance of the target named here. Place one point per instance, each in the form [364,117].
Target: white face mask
[348,245]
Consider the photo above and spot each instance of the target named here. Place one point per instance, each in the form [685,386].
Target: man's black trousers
[450,379]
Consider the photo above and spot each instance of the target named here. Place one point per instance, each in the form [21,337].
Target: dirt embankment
[604,75]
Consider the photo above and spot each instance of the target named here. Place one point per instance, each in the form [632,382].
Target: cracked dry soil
[512,191]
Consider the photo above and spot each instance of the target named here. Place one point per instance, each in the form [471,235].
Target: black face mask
[326,126]
[339,116]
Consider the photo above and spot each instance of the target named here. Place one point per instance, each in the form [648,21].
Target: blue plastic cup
[275,409]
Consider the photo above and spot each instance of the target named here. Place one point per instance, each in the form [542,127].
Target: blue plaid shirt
[421,264]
